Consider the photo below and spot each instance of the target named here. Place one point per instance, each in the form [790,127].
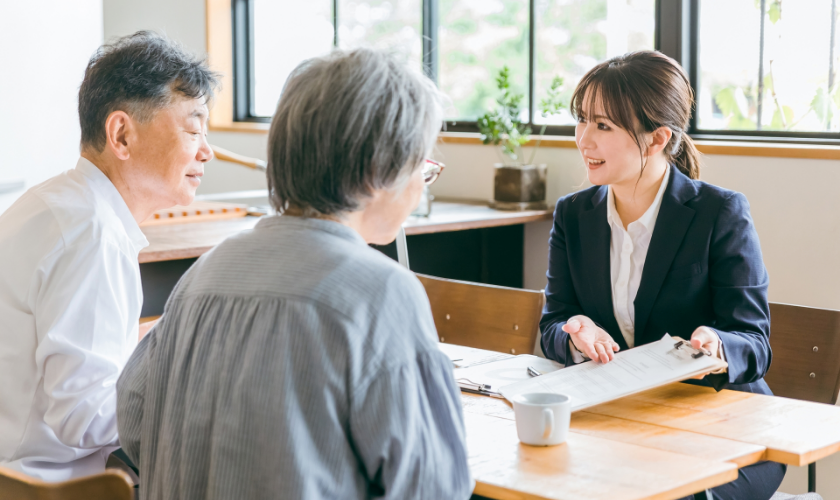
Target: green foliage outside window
[503,126]
[738,104]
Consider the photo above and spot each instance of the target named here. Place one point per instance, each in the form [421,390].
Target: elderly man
[294,361]
[70,293]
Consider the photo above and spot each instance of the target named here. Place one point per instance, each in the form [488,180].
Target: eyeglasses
[431,171]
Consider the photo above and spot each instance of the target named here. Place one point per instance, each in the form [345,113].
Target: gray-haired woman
[294,361]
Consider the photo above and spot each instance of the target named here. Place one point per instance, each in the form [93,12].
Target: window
[475,39]
[761,69]
[572,36]
[767,66]
[306,26]
[394,25]
[271,37]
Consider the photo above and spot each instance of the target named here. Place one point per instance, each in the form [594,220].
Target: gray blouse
[294,361]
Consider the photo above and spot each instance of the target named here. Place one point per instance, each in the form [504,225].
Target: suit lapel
[594,236]
[671,226]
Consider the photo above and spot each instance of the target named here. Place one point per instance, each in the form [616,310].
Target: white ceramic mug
[542,418]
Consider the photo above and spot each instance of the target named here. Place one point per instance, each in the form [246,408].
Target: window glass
[394,25]
[286,33]
[476,39]
[572,36]
[788,87]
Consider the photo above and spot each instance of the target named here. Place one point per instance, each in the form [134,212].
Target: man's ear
[657,140]
[119,128]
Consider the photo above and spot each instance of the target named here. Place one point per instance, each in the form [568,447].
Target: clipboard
[668,360]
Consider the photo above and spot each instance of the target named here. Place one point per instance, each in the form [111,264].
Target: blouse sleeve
[408,430]
[131,397]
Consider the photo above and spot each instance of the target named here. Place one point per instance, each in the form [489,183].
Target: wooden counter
[185,241]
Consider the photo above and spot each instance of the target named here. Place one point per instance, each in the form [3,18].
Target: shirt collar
[648,219]
[329,226]
[104,188]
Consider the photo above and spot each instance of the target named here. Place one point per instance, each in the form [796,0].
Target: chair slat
[485,316]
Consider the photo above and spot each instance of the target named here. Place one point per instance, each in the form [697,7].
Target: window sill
[705,147]
[252,127]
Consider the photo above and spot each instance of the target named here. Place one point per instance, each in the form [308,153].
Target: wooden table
[462,240]
[184,241]
[664,443]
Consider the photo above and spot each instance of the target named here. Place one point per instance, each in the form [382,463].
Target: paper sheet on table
[463,357]
[631,371]
[505,372]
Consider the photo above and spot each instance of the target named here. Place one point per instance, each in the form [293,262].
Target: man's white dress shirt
[70,299]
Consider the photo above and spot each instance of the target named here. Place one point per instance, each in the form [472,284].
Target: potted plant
[518,184]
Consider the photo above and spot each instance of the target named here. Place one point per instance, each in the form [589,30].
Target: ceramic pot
[519,188]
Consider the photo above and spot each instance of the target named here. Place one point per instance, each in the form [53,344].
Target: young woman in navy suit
[650,249]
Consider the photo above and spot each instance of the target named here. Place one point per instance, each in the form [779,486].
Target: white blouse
[70,299]
[628,251]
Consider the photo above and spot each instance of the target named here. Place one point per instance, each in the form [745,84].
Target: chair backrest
[485,316]
[806,353]
[109,485]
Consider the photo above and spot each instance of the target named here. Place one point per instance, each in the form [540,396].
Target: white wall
[44,48]
[794,204]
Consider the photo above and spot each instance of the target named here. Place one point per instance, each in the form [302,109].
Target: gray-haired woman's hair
[347,124]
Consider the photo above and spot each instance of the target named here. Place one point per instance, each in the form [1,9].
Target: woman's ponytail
[687,158]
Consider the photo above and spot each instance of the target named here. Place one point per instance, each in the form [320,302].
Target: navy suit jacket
[703,268]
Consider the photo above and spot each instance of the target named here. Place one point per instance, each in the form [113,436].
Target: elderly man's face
[169,152]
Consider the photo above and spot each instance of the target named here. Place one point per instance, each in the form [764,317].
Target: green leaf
[775,11]
[725,100]
[835,96]
[503,126]
[778,123]
[553,102]
[820,104]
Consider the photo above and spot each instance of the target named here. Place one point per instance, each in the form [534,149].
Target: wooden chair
[806,357]
[110,485]
[485,316]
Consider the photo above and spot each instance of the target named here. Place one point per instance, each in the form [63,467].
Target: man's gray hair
[139,74]
[347,124]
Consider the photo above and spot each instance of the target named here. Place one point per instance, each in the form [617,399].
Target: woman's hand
[590,339]
[705,338]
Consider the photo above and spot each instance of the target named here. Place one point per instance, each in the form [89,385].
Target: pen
[533,372]
[483,392]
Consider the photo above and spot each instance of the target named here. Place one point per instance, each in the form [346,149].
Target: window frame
[675,34]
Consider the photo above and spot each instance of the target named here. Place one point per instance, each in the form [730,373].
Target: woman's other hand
[705,338]
[590,339]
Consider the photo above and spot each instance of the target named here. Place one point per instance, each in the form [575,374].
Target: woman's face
[387,209]
[610,154]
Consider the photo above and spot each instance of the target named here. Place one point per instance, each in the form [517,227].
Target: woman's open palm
[590,339]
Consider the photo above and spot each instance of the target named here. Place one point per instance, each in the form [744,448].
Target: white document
[504,372]
[463,357]
[631,371]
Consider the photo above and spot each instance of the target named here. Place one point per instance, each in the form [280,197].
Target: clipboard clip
[684,343]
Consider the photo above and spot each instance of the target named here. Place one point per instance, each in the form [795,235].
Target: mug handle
[548,422]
